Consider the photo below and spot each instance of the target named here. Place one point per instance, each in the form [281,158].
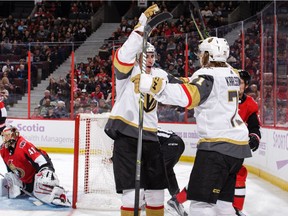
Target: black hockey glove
[254,141]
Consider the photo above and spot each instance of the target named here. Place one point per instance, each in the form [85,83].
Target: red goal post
[93,179]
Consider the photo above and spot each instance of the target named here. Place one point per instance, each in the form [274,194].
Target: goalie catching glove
[145,83]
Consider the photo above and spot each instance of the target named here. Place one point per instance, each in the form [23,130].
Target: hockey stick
[159,18]
[195,23]
[196,5]
[38,202]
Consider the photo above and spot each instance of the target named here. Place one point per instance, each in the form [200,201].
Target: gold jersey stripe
[194,94]
[214,140]
[131,123]
[121,66]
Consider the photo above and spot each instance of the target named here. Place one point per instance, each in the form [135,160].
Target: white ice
[262,198]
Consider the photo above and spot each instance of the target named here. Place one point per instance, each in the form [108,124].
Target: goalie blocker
[30,170]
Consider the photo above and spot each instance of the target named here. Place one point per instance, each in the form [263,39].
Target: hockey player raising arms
[122,126]
[248,111]
[29,168]
[223,144]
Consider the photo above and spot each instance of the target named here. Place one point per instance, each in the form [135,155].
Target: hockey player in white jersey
[213,92]
[123,122]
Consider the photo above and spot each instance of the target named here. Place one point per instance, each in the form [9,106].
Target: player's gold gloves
[153,9]
[144,16]
[145,83]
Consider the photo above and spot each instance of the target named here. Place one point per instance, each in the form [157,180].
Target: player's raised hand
[150,11]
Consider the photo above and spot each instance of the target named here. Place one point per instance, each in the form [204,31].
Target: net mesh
[96,187]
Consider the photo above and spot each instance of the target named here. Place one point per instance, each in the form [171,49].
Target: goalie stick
[155,21]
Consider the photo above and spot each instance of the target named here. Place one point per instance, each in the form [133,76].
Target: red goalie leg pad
[240,188]
[182,196]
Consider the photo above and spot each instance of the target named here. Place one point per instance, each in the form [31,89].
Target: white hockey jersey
[214,94]
[124,116]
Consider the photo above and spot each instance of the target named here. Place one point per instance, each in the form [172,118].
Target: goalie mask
[218,49]
[10,136]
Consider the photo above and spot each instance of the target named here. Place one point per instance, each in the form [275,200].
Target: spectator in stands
[60,110]
[64,88]
[83,81]
[172,70]
[7,66]
[84,99]
[90,86]
[22,73]
[36,113]
[171,46]
[38,56]
[97,94]
[6,83]
[206,12]
[50,113]
[22,26]
[53,86]
[47,95]
[40,12]
[79,110]
[253,92]
[103,106]
[76,104]
[45,107]
[6,46]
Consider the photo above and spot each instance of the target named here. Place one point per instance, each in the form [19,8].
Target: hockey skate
[239,213]
[176,207]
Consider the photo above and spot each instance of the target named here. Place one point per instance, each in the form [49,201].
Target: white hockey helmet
[218,48]
[150,48]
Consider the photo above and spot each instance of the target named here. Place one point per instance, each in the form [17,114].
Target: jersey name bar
[232,81]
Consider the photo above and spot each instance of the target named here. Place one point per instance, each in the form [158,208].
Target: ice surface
[262,198]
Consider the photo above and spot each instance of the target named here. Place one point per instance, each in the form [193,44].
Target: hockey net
[93,179]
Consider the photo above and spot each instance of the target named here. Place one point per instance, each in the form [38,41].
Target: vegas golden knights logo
[149,103]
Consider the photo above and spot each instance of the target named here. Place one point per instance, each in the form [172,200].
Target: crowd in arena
[92,79]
